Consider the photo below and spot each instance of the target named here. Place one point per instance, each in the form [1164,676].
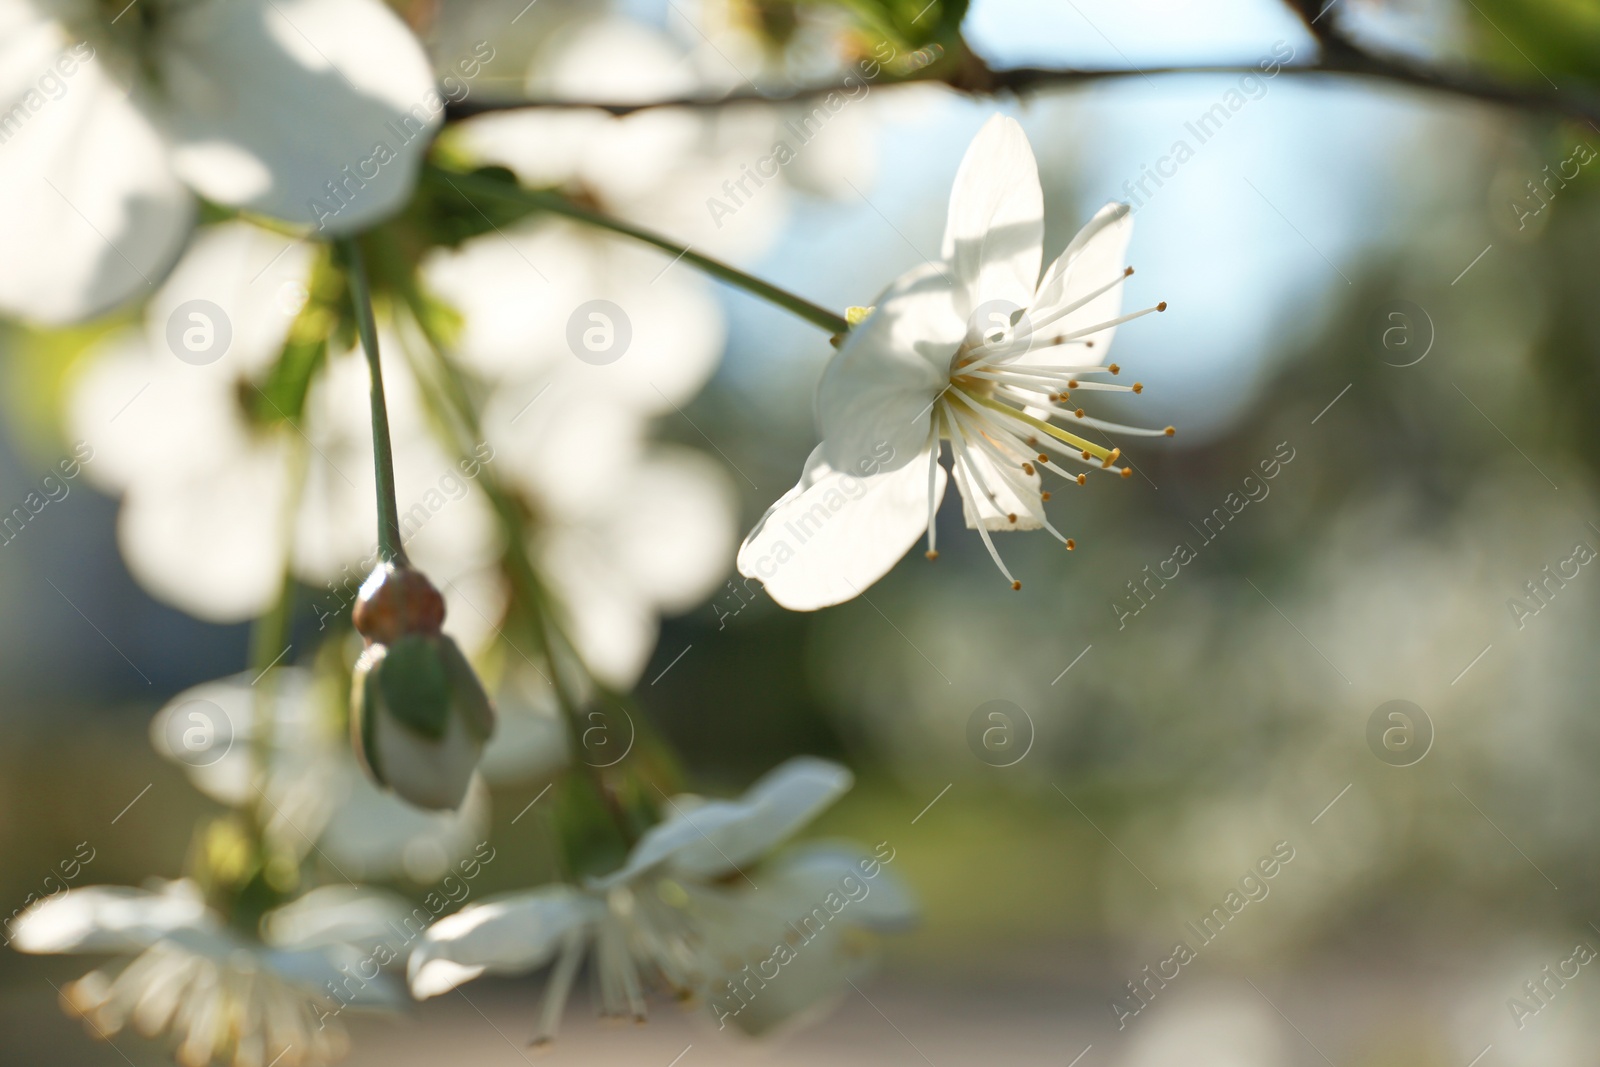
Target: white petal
[334,914]
[512,935]
[375,834]
[270,100]
[1096,256]
[211,544]
[90,210]
[994,237]
[673,536]
[715,838]
[833,535]
[882,902]
[255,277]
[1015,493]
[876,396]
[109,918]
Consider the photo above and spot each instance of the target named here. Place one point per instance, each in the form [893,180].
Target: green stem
[530,591]
[556,203]
[390,548]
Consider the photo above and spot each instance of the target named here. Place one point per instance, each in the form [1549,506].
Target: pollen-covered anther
[1027,468]
[1012,517]
[1045,495]
[1114,369]
[1043,458]
[932,554]
[1083,479]
[1015,586]
[1161,306]
[1079,413]
[1086,454]
[1138,387]
[1127,472]
[1072,383]
[1071,544]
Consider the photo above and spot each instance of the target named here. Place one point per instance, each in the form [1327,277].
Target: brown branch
[1340,58]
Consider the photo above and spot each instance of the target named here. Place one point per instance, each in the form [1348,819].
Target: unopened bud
[418,714]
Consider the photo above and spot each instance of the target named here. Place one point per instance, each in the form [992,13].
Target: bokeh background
[1357,280]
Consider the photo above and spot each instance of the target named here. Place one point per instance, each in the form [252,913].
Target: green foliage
[442,213]
[1535,40]
[909,23]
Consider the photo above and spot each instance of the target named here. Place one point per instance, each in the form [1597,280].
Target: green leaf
[1539,41]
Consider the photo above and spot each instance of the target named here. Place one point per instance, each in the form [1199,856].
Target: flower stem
[556,203]
[390,548]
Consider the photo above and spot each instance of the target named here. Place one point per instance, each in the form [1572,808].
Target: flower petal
[334,914]
[512,935]
[1095,257]
[833,534]
[109,918]
[994,237]
[315,111]
[877,393]
[715,838]
[90,210]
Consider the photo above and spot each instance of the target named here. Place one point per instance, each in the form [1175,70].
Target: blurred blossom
[228,997]
[254,104]
[221,489]
[658,546]
[684,913]
[316,798]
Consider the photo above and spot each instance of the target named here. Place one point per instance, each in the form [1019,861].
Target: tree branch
[1340,58]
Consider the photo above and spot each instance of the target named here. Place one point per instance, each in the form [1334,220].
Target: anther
[1045,495]
[1138,387]
[932,554]
[1083,479]
[1012,517]
[1072,384]
[1071,544]
[1043,458]
[1127,472]
[1171,430]
[1015,586]
[1161,306]
[1079,413]
[1127,272]
[1027,468]
[1086,453]
[1114,369]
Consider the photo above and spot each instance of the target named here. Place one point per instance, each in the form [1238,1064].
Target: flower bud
[418,714]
